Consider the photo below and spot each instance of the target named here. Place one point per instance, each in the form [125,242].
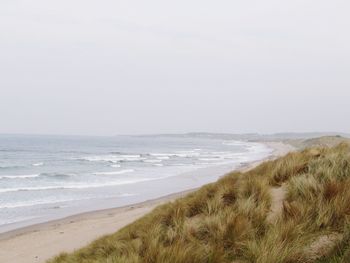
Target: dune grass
[227,221]
[340,252]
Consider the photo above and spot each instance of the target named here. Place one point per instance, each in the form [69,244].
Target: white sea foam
[115,172]
[186,154]
[163,157]
[58,175]
[54,201]
[152,161]
[27,176]
[208,159]
[83,186]
[7,190]
[205,164]
[78,186]
[116,165]
[235,143]
[113,158]
[19,176]
[10,166]
[181,154]
[161,154]
[38,202]
[37,164]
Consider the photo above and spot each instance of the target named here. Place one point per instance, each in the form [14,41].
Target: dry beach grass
[293,209]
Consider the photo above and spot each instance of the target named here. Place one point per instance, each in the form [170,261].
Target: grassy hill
[294,209]
[324,141]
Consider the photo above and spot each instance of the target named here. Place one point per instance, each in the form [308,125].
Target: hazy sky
[129,67]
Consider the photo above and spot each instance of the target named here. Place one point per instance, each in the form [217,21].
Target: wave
[209,159]
[235,143]
[161,154]
[181,154]
[157,157]
[19,176]
[113,158]
[250,146]
[57,175]
[38,202]
[8,190]
[80,186]
[28,176]
[182,164]
[163,157]
[205,164]
[20,166]
[188,152]
[37,164]
[11,166]
[115,172]
[116,153]
[259,148]
[153,161]
[47,202]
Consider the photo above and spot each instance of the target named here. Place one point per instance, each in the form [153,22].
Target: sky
[139,67]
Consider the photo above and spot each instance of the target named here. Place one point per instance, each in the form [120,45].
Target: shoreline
[73,232]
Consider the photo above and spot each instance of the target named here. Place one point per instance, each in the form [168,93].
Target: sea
[43,178]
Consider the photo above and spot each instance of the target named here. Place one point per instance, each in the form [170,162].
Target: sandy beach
[40,242]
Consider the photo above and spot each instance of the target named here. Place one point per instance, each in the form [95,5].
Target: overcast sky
[130,67]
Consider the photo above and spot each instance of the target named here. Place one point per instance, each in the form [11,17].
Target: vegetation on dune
[231,220]
[340,252]
[325,141]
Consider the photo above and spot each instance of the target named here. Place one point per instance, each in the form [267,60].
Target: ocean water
[48,177]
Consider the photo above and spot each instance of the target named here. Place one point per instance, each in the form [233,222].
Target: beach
[45,178]
[40,242]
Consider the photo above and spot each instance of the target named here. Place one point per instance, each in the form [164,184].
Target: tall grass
[227,221]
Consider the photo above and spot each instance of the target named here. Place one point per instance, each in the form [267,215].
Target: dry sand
[41,242]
